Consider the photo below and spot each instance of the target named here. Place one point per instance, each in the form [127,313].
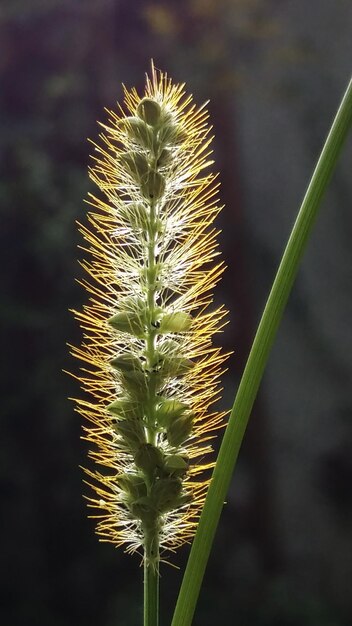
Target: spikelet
[150,371]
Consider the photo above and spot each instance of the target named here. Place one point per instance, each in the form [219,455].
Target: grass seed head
[150,371]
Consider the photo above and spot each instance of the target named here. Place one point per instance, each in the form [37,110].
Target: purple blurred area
[274,73]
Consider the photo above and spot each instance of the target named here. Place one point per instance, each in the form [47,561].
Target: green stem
[151,337]
[257,359]
[151,531]
[151,593]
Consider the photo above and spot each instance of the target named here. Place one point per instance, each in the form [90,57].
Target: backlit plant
[150,368]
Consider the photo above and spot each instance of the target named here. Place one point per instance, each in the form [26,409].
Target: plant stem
[151,335]
[151,593]
[151,530]
[257,360]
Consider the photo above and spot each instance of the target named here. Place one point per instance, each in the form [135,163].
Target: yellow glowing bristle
[150,372]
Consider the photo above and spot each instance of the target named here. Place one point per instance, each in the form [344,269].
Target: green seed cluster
[152,424]
[150,370]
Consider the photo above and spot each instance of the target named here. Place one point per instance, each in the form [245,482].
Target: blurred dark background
[274,73]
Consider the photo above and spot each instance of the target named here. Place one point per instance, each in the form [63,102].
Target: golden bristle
[184,250]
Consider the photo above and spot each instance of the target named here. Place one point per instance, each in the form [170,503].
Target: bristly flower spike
[150,371]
